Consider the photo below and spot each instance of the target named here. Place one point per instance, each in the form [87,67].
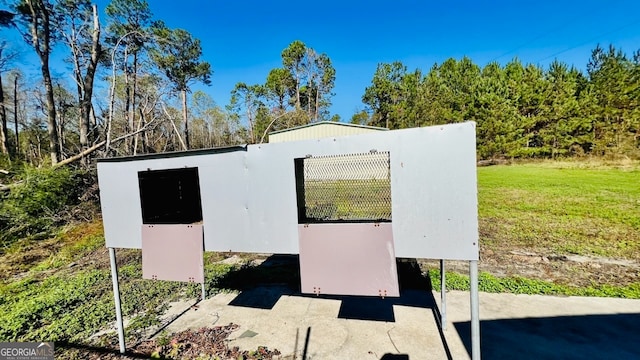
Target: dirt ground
[576,270]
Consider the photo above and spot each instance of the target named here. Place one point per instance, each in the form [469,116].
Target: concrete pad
[512,326]
[550,327]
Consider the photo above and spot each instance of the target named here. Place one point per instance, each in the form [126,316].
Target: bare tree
[81,31]
[15,111]
[38,17]
[4,132]
[128,23]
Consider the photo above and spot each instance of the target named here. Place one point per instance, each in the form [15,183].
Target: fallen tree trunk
[96,147]
[80,155]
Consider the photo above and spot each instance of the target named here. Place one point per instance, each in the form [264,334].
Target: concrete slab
[550,327]
[512,326]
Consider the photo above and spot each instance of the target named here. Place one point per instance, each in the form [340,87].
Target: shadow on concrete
[305,349]
[395,357]
[261,297]
[306,344]
[415,291]
[562,337]
[262,286]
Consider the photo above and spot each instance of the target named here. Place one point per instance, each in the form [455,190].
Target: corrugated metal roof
[320,130]
[330,123]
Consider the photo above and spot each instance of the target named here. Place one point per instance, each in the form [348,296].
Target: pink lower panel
[173,252]
[348,259]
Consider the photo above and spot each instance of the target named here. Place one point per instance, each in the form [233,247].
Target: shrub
[38,200]
[45,191]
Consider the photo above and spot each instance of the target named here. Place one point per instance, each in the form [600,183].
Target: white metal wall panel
[120,204]
[272,211]
[249,198]
[434,193]
[272,215]
[225,202]
[120,193]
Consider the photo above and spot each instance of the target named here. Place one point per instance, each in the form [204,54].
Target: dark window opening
[344,188]
[170,196]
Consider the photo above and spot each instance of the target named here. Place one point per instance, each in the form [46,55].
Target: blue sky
[243,39]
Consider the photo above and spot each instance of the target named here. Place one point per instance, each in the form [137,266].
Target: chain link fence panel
[353,187]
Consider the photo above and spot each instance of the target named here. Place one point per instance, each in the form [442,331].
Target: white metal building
[322,129]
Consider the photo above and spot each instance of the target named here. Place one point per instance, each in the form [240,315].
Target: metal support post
[116,297]
[443,297]
[204,274]
[475,310]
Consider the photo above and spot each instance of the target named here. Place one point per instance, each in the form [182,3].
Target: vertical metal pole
[475,310]
[204,278]
[443,297]
[116,297]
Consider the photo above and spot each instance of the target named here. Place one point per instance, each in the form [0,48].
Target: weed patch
[521,285]
[71,306]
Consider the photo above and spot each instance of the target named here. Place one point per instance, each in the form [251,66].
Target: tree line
[144,72]
[521,110]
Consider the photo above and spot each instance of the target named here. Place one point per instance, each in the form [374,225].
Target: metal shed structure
[319,130]
[409,193]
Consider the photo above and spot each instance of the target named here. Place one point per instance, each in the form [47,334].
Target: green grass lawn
[552,208]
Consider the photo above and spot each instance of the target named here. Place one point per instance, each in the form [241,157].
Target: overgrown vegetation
[39,200]
[58,303]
